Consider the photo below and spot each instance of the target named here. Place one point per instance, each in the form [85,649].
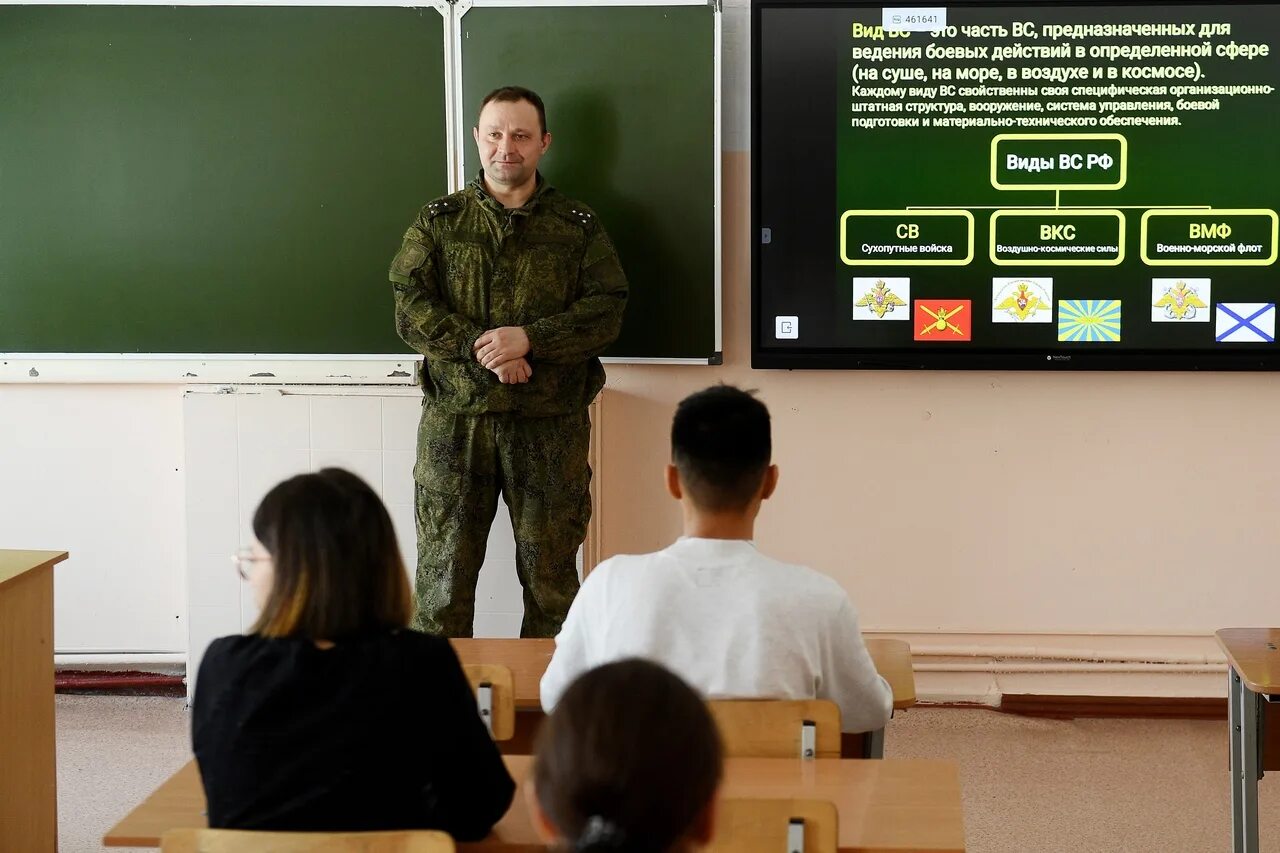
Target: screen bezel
[1049,358]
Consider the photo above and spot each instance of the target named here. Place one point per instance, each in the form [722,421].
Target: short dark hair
[337,570]
[511,94]
[720,443]
[628,760]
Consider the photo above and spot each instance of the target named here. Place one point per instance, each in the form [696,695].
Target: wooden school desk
[28,761]
[884,806]
[528,658]
[1253,685]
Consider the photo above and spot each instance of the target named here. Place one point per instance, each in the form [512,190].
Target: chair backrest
[526,657]
[778,728]
[495,697]
[237,841]
[775,826]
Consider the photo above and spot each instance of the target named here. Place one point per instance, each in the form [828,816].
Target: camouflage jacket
[468,265]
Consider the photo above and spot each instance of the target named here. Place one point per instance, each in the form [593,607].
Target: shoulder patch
[410,257]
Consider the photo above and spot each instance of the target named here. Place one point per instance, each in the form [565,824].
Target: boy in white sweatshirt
[721,615]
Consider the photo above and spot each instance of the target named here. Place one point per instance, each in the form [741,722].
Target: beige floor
[1030,786]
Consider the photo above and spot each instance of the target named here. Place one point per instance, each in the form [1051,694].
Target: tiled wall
[95,470]
[239,445]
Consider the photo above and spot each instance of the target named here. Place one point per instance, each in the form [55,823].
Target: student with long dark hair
[629,762]
[331,714]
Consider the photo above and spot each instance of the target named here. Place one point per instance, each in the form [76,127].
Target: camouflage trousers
[539,466]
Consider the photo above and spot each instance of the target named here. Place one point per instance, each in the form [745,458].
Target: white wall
[97,471]
[152,488]
[239,445]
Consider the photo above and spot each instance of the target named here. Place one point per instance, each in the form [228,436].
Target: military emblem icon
[1180,300]
[1022,300]
[943,320]
[881,298]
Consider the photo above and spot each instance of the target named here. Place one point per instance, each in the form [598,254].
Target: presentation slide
[1087,186]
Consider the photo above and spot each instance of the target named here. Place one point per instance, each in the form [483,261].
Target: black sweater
[378,732]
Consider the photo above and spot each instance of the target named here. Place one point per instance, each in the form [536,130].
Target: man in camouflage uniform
[510,290]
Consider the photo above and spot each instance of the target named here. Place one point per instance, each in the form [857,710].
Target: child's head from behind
[720,448]
[335,568]
[628,761]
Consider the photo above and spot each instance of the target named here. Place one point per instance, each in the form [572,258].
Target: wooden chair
[237,841]
[495,697]
[775,826]
[527,658]
[778,728]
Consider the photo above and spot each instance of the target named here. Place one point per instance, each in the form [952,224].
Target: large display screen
[1015,186]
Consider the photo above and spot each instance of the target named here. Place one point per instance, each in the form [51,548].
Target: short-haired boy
[729,620]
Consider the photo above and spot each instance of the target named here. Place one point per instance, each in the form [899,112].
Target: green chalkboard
[630,94]
[212,179]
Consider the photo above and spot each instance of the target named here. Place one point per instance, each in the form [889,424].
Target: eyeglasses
[244,560]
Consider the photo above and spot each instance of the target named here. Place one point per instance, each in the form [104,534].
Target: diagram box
[906,238]
[1057,238]
[1059,161]
[1237,237]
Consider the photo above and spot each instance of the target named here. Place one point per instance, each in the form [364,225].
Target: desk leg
[873,744]
[1243,712]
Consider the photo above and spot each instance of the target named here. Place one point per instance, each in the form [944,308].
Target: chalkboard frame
[461,123]
[345,368]
[229,367]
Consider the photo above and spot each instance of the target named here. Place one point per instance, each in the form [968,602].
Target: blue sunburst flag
[1089,320]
